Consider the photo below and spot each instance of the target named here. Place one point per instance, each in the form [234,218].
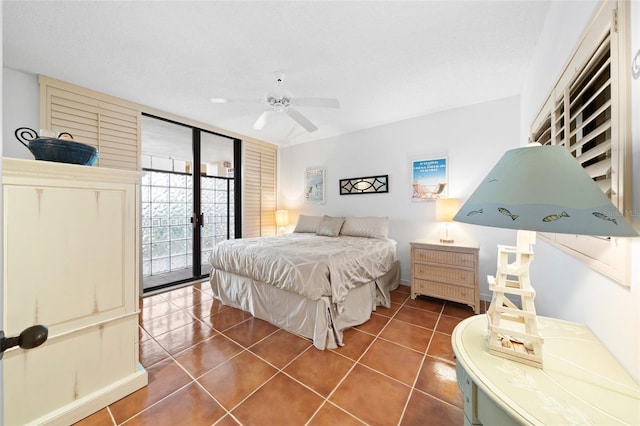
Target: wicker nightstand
[446,271]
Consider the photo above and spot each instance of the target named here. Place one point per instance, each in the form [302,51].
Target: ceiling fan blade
[229,100]
[302,120]
[261,121]
[316,102]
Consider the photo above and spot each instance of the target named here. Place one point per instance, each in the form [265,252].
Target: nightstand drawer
[445,257]
[446,271]
[431,272]
[453,292]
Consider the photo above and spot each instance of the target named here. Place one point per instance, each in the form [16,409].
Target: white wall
[1,235]
[565,288]
[20,108]
[473,138]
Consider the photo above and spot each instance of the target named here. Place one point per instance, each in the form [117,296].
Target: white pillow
[366,226]
[308,223]
[330,226]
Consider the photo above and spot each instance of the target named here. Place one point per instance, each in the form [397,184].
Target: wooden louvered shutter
[587,113]
[542,133]
[98,120]
[259,194]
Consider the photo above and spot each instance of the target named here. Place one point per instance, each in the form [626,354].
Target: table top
[580,383]
[456,243]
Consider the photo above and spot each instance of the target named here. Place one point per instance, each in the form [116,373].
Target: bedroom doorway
[189,200]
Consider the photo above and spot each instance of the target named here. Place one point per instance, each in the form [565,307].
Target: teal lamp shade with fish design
[544,189]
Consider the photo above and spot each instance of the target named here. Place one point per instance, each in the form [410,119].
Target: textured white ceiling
[383,60]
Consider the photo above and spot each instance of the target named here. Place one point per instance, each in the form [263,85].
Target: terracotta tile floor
[213,364]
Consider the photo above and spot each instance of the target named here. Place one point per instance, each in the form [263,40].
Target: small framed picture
[314,186]
[429,179]
[365,185]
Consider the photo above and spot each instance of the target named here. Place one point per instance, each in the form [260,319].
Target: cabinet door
[70,261]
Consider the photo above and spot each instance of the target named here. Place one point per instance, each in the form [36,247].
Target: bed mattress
[307,264]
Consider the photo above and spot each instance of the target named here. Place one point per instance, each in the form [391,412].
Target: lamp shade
[282,217]
[543,188]
[446,209]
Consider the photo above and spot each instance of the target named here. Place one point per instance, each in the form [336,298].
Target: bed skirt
[318,320]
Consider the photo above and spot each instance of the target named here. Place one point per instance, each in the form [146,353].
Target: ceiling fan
[284,104]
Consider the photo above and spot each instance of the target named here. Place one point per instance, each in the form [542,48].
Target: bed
[330,274]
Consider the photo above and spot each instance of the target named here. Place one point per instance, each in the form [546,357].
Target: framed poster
[429,179]
[314,186]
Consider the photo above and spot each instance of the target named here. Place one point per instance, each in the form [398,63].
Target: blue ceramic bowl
[63,151]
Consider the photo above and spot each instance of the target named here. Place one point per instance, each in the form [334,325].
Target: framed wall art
[314,186]
[429,179]
[364,185]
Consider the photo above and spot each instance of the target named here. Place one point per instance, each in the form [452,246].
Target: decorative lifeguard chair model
[513,331]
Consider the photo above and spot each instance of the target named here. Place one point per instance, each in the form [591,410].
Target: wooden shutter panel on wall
[95,119]
[586,105]
[259,192]
[587,113]
[542,134]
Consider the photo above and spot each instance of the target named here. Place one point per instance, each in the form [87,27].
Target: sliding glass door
[217,195]
[188,196]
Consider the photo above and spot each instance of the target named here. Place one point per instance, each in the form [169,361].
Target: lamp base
[445,238]
[513,331]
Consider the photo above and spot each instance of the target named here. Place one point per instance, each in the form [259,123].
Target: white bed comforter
[307,264]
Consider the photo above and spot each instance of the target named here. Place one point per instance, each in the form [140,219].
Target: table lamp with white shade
[533,188]
[446,209]
[282,219]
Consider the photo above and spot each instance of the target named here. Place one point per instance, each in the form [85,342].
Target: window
[167,232]
[587,112]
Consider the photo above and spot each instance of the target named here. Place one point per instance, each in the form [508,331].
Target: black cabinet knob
[30,338]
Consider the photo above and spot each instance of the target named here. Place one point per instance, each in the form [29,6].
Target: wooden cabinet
[71,262]
[446,271]
[580,383]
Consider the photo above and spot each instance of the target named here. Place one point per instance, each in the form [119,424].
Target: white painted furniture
[580,383]
[71,262]
[446,270]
